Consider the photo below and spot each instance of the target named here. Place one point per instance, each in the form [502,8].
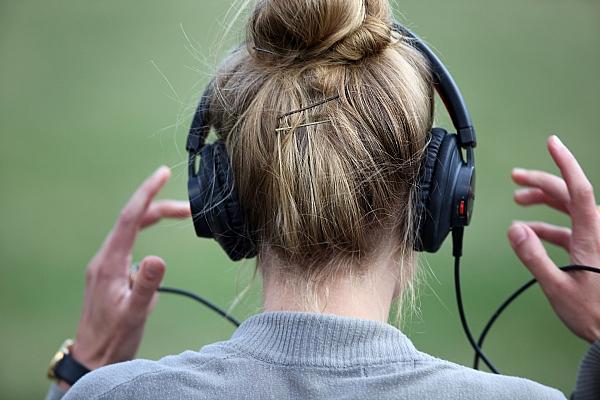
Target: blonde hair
[325,112]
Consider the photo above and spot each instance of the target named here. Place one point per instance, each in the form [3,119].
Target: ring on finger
[133,271]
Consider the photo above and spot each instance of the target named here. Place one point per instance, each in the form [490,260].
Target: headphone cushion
[425,184]
[221,209]
[439,172]
[233,218]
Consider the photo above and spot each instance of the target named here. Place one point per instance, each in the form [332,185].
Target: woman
[329,191]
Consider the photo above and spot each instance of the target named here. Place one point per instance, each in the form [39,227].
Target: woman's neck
[368,297]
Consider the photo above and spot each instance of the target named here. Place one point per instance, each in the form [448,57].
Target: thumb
[147,281]
[531,252]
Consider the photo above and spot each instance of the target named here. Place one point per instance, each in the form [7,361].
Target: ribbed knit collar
[312,339]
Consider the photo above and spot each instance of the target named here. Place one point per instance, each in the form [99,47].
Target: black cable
[201,300]
[500,309]
[513,297]
[457,252]
[463,319]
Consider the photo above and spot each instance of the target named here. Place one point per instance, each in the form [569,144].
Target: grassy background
[87,111]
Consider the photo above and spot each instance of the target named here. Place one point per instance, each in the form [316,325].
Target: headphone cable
[202,301]
[513,297]
[457,235]
[463,319]
[207,303]
[457,245]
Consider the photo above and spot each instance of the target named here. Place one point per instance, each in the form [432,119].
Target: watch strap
[69,370]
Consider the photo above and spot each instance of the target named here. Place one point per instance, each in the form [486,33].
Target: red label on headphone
[461,208]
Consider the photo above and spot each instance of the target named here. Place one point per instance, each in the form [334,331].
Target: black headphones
[444,202]
[446,184]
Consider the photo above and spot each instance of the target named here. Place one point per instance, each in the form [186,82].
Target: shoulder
[468,383]
[170,377]
[101,381]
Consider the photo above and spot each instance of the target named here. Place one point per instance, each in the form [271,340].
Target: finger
[166,209]
[531,252]
[582,207]
[553,186]
[122,237]
[535,196]
[557,235]
[146,282]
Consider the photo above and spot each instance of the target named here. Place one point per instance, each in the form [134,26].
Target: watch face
[55,360]
[60,354]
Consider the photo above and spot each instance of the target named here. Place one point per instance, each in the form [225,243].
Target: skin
[369,296]
[575,297]
[115,311]
[115,307]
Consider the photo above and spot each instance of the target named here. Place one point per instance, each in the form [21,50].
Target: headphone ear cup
[201,191]
[442,165]
[425,187]
[235,236]
[215,206]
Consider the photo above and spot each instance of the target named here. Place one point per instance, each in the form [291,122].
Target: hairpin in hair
[264,51]
[310,106]
[396,36]
[289,128]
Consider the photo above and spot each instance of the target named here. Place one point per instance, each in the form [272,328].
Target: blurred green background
[94,95]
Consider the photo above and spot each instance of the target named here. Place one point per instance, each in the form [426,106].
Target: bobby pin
[264,51]
[309,107]
[287,128]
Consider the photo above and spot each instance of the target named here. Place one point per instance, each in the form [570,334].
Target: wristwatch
[63,367]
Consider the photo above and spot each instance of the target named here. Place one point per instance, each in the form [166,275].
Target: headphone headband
[446,184]
[447,89]
[200,127]
[444,84]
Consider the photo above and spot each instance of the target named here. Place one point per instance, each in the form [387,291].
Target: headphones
[446,184]
[444,202]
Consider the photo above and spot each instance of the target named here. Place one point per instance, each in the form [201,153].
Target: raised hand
[575,297]
[115,309]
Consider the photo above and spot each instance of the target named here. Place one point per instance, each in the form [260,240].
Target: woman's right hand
[115,306]
[574,296]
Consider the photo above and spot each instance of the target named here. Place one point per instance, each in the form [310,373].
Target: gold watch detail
[65,348]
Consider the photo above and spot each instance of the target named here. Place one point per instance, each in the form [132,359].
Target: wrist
[63,385]
[588,330]
[86,358]
[64,368]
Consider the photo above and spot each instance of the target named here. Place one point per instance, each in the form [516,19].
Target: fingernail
[163,169]
[522,191]
[151,272]
[558,141]
[517,233]
[519,170]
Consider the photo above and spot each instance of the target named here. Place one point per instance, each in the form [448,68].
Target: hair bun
[342,30]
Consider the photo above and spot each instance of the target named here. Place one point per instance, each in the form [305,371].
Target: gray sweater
[289,355]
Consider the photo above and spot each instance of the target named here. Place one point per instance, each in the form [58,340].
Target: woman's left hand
[115,309]
[575,297]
